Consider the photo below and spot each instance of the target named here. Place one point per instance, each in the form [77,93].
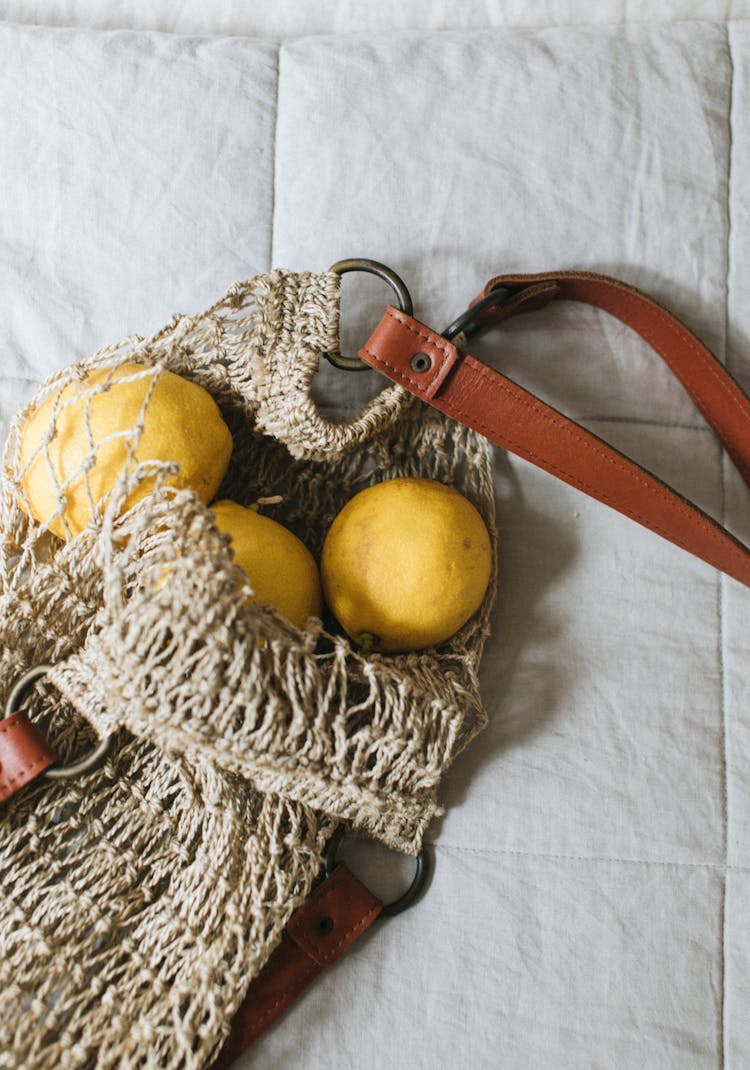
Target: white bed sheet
[590,901]
[292,18]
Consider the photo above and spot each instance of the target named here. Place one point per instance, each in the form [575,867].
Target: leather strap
[469,391]
[717,395]
[24,754]
[326,924]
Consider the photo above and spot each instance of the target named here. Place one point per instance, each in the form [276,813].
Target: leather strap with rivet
[326,924]
[436,370]
[24,754]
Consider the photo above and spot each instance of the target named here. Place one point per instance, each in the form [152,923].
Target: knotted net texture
[138,902]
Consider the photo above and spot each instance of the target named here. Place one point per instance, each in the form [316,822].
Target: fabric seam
[595,859]
[274,158]
[722,1039]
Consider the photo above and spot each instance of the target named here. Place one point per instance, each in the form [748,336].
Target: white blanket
[589,906]
[290,18]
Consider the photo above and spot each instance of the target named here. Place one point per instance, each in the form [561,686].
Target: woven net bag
[138,902]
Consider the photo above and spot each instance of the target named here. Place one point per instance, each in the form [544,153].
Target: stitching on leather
[312,949]
[394,368]
[301,981]
[288,993]
[537,407]
[399,317]
[714,533]
[612,459]
[356,928]
[655,314]
[659,316]
[28,769]
[421,384]
[576,480]
[11,724]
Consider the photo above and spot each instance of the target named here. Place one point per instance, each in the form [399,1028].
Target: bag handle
[430,366]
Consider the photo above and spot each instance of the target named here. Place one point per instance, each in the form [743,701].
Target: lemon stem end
[367,643]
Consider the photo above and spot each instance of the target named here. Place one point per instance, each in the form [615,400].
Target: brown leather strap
[326,924]
[24,754]
[469,391]
[712,388]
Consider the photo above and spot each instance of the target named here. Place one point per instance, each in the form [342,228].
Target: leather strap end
[524,297]
[410,354]
[24,754]
[336,913]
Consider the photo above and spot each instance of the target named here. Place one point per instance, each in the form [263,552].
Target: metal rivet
[324,925]
[421,362]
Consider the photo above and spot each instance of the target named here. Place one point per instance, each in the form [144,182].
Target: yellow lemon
[281,570]
[407,562]
[91,421]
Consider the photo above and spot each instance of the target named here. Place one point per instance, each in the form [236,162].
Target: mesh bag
[138,902]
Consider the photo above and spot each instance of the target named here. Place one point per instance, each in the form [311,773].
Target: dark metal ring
[372,267]
[62,772]
[466,323]
[416,889]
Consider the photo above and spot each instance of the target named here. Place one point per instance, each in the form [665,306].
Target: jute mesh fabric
[138,902]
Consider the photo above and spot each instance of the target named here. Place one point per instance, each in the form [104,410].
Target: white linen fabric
[290,18]
[590,902]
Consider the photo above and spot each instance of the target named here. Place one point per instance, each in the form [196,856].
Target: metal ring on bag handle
[415,890]
[372,267]
[61,772]
[466,324]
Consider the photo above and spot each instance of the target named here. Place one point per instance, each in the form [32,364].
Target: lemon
[281,570]
[181,422]
[406,562]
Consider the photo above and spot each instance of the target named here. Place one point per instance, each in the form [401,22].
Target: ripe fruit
[281,570]
[181,422]
[407,562]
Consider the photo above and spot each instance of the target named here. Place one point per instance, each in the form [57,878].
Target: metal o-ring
[415,890]
[396,283]
[466,324]
[61,772]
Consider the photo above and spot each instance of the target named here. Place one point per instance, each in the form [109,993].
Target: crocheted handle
[432,367]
